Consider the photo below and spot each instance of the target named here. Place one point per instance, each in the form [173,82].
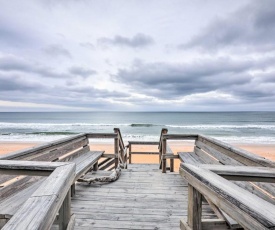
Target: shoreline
[266,150]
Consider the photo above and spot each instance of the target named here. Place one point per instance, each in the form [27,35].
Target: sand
[265,150]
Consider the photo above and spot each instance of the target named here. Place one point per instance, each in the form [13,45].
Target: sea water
[242,127]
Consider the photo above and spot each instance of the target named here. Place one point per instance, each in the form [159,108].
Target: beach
[264,150]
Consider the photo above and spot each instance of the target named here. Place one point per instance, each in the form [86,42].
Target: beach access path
[142,198]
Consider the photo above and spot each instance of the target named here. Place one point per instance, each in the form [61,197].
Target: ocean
[238,127]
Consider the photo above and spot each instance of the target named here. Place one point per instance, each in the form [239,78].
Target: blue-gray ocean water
[243,127]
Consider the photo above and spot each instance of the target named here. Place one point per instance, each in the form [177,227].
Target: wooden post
[73,190]
[95,167]
[116,148]
[130,151]
[121,152]
[194,208]
[171,165]
[65,212]
[163,131]
[125,158]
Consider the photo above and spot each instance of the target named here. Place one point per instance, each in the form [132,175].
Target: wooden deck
[142,198]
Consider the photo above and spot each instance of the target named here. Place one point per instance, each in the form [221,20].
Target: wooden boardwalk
[142,198]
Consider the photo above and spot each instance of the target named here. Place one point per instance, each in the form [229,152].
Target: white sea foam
[204,127]
[133,137]
[198,126]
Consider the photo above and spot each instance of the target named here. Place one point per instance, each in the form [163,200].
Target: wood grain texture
[86,162]
[38,149]
[143,142]
[39,211]
[242,173]
[142,198]
[240,155]
[101,135]
[194,208]
[180,136]
[247,209]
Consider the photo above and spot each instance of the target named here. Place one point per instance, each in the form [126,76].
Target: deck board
[142,198]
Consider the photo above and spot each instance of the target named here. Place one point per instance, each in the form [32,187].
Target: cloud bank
[137,56]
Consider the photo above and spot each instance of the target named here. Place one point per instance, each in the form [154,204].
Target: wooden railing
[238,154]
[132,143]
[165,151]
[53,195]
[119,157]
[120,150]
[249,210]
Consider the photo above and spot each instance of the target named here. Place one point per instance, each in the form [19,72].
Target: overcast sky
[137,55]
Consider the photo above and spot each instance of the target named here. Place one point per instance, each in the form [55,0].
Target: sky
[137,55]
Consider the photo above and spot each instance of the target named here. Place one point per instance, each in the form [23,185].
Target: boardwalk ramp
[142,198]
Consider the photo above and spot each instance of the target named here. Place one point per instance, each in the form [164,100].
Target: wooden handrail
[243,173]
[120,149]
[40,210]
[163,130]
[241,155]
[100,135]
[143,142]
[247,209]
[39,148]
[117,130]
[180,136]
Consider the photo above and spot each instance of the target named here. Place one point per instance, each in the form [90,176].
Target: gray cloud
[171,81]
[24,81]
[138,41]
[80,71]
[16,88]
[49,53]
[56,50]
[12,36]
[14,64]
[16,83]
[251,28]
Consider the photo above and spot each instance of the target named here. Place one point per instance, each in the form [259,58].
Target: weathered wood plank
[194,208]
[18,185]
[143,142]
[54,153]
[101,135]
[140,199]
[108,155]
[65,212]
[11,204]
[146,153]
[238,154]
[206,158]
[257,188]
[222,158]
[190,157]
[39,211]
[164,149]
[71,156]
[107,164]
[243,173]
[86,162]
[249,210]
[38,149]
[180,136]
[71,223]
[29,165]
